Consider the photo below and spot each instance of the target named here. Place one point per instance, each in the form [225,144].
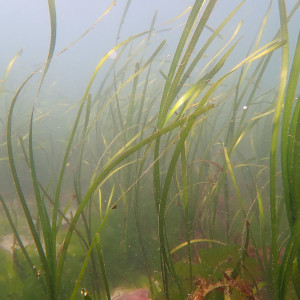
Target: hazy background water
[25,25]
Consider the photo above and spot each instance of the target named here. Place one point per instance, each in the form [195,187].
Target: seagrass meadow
[150,153]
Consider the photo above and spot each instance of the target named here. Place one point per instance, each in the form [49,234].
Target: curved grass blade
[19,190]
[142,68]
[75,124]
[233,178]
[164,107]
[162,201]
[173,75]
[89,29]
[50,244]
[205,47]
[87,257]
[107,168]
[172,251]
[11,63]
[16,233]
[52,12]
[203,81]
[265,63]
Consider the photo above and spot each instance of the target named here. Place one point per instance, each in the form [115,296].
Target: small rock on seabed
[139,294]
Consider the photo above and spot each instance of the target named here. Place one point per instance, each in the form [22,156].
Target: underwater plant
[161,189]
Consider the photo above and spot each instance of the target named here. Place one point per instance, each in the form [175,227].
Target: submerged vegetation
[180,177]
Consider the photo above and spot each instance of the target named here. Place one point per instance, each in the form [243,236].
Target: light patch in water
[113,54]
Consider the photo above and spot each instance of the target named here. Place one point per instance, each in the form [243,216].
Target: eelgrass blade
[70,141]
[20,243]
[142,68]
[20,193]
[295,276]
[164,107]
[179,50]
[262,226]
[184,175]
[50,244]
[100,203]
[164,195]
[110,199]
[89,29]
[137,218]
[123,19]
[203,82]
[172,251]
[274,147]
[88,254]
[239,95]
[130,111]
[83,139]
[77,186]
[44,191]
[167,261]
[243,130]
[173,91]
[290,254]
[15,232]
[240,262]
[102,266]
[201,52]
[233,178]
[11,63]
[288,139]
[52,12]
[264,63]
[257,42]
[63,215]
[295,168]
[141,105]
[109,167]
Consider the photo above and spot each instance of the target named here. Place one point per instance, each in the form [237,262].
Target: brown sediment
[138,294]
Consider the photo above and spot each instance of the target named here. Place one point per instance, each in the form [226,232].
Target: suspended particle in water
[245,107]
[84,292]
